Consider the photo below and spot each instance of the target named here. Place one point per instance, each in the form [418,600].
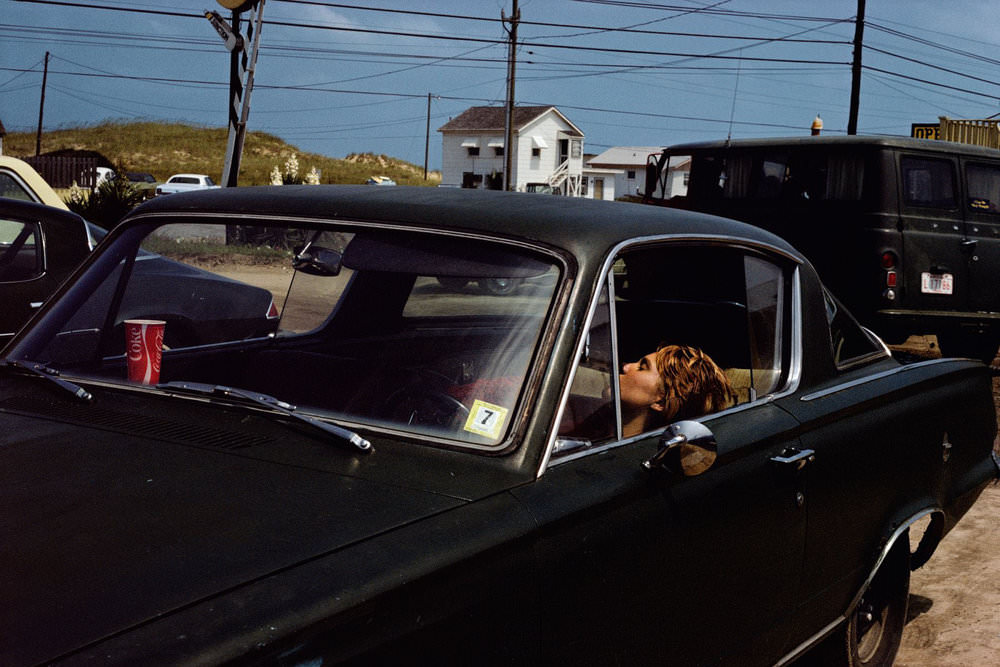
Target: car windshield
[428,334]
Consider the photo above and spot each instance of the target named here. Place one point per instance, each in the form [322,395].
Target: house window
[471,180]
[536,152]
[473,151]
[498,151]
[630,174]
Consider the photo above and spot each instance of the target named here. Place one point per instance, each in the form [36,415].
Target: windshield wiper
[272,403]
[52,375]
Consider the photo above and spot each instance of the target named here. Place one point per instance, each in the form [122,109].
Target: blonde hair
[693,384]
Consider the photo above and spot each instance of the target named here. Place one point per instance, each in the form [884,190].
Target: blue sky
[336,78]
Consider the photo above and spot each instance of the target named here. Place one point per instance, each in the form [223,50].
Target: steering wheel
[423,406]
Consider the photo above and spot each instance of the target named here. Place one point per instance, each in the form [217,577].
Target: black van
[905,231]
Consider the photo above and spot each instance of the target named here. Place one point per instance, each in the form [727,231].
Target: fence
[62,172]
[978,132]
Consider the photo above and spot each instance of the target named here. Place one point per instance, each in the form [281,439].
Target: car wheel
[453,284]
[873,632]
[499,286]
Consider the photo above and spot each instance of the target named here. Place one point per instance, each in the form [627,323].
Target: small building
[548,150]
[3,133]
[628,165]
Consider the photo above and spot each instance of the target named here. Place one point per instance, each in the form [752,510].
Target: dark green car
[409,474]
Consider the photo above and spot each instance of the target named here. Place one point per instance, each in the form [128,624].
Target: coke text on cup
[144,349]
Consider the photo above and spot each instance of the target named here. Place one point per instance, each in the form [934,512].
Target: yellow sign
[238,5]
[925,130]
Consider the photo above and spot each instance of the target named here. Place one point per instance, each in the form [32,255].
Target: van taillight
[272,311]
[890,279]
[888,260]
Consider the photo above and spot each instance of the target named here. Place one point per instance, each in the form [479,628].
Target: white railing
[561,175]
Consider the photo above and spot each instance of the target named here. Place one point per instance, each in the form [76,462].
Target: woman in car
[674,382]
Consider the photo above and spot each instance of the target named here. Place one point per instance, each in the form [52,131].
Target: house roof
[494,119]
[622,156]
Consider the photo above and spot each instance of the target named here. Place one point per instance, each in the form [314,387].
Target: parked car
[144,182]
[40,246]
[380,180]
[401,475]
[186,183]
[19,180]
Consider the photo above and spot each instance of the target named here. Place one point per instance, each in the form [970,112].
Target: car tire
[499,286]
[873,632]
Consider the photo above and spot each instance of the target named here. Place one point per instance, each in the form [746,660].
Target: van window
[984,187]
[928,182]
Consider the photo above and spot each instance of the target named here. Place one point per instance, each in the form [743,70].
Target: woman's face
[640,384]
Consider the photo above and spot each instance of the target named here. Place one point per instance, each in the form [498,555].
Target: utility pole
[427,135]
[508,144]
[859,31]
[242,64]
[41,107]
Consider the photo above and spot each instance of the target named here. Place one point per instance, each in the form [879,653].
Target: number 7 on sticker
[486,419]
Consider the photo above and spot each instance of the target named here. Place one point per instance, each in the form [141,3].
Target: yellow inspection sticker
[486,419]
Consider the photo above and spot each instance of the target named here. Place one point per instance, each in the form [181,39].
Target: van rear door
[982,212]
[935,262]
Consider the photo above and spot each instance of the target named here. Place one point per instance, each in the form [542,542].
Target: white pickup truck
[185,183]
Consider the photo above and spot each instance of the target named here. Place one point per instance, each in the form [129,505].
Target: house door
[598,188]
[563,151]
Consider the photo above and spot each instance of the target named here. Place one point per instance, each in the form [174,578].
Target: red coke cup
[143,348]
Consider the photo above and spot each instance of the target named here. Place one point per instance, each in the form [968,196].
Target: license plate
[937,283]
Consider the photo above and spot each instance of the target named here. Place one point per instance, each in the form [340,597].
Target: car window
[928,182]
[720,310]
[13,189]
[851,343]
[429,334]
[984,187]
[20,252]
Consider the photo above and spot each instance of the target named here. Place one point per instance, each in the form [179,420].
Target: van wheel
[874,630]
[975,346]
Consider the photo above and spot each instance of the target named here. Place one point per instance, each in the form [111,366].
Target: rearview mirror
[317,261]
[687,447]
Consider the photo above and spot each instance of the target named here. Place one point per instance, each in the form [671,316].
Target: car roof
[582,226]
[908,143]
[29,209]
[34,181]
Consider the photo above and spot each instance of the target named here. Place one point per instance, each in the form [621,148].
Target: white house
[625,164]
[548,150]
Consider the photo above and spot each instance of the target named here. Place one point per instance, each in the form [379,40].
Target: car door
[936,255]
[982,210]
[643,566]
[39,246]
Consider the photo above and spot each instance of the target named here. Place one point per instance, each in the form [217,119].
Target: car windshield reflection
[428,334]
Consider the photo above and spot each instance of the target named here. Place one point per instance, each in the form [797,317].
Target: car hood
[105,530]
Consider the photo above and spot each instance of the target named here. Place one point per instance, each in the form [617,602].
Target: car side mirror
[318,261]
[687,447]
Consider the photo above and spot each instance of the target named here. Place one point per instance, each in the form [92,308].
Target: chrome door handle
[794,458]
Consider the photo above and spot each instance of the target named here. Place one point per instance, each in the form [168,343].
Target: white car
[186,183]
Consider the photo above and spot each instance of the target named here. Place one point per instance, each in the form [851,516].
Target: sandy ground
[954,616]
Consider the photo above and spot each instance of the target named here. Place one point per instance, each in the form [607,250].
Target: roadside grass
[207,253]
[164,149]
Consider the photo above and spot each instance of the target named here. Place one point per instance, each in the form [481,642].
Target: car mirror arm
[686,446]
